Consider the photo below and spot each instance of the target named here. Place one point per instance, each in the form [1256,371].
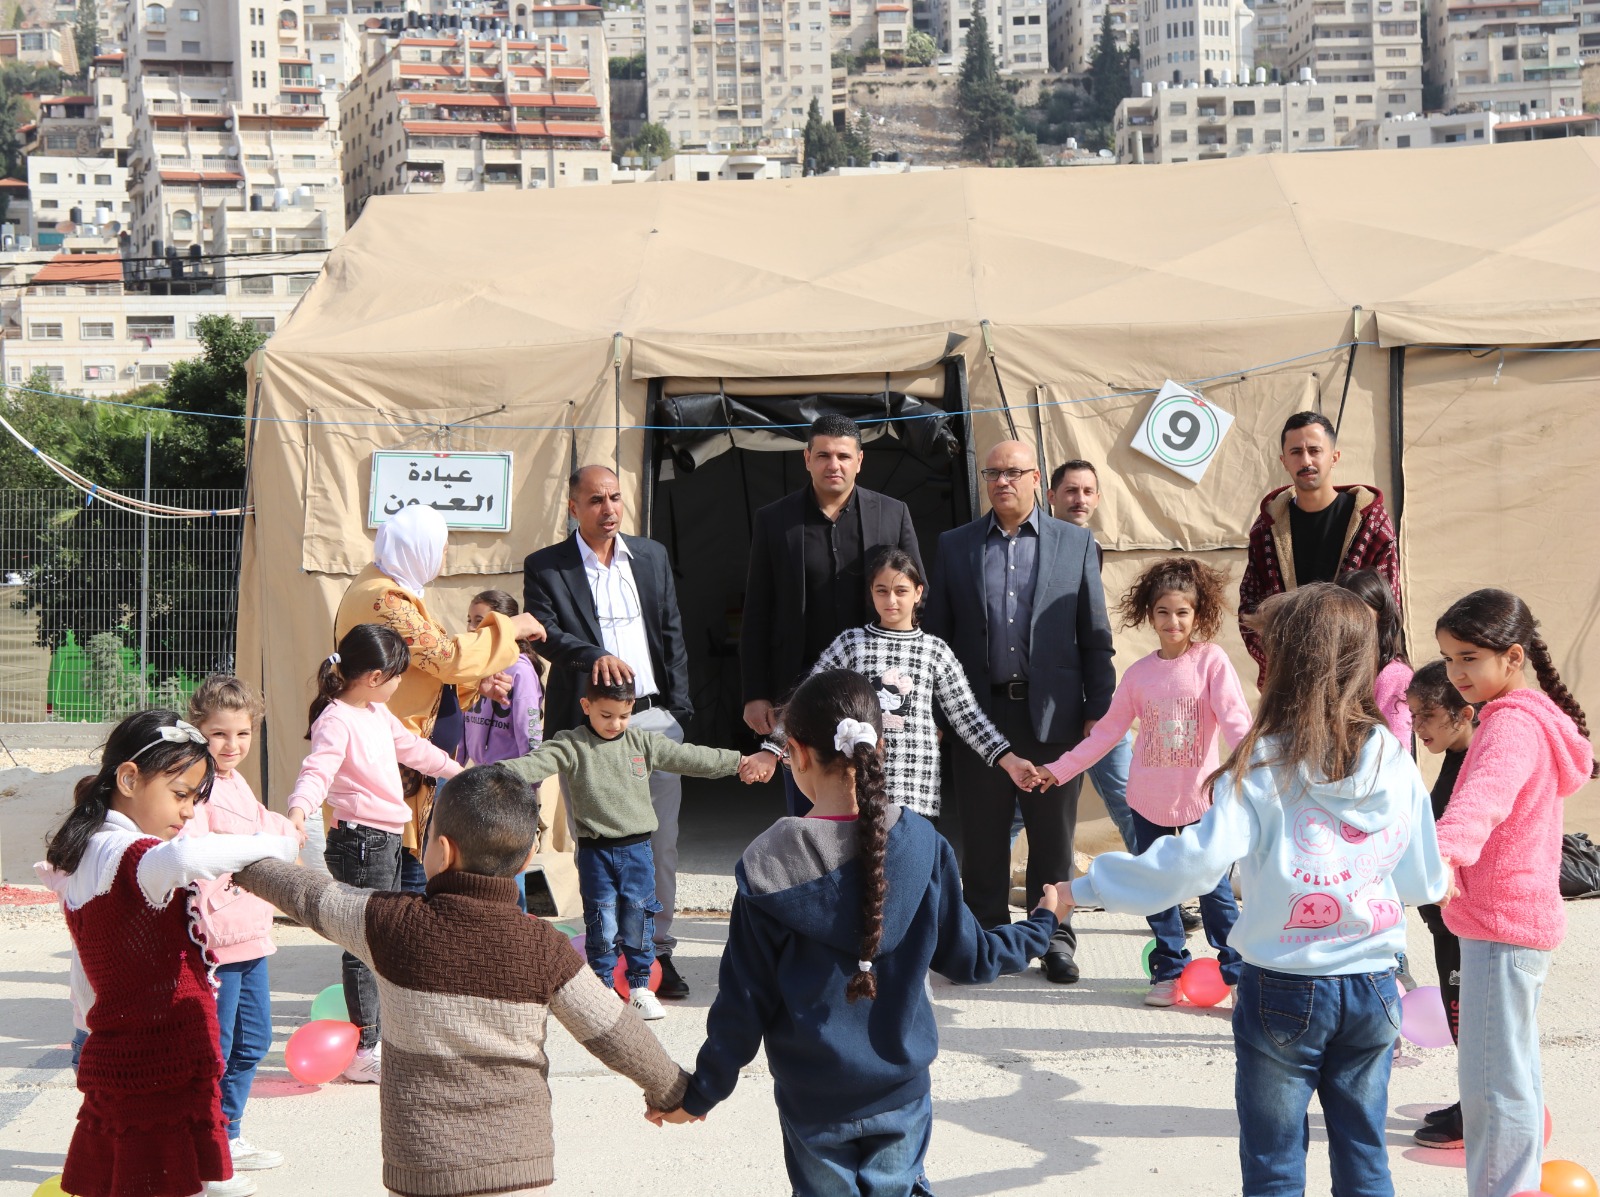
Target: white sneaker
[1162,993]
[367,1067]
[647,1004]
[249,1158]
[239,1186]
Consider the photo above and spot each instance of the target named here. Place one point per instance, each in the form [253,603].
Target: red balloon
[619,976]
[1563,1178]
[1201,982]
[1548,1126]
[321,1050]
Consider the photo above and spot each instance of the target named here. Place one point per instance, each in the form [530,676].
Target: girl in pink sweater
[1394,671]
[1501,836]
[357,748]
[237,925]
[1181,694]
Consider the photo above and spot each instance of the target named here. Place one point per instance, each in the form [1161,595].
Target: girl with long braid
[837,919]
[1502,836]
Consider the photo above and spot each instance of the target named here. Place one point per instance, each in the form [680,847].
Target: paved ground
[1037,1087]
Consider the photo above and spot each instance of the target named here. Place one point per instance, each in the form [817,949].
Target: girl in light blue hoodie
[1331,825]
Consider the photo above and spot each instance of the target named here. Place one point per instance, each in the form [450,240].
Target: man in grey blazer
[1017,595]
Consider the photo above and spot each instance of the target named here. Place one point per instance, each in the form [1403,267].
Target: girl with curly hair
[1182,695]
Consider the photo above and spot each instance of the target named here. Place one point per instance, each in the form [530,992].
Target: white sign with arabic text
[471,490]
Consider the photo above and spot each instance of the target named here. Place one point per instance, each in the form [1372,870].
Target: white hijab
[410,547]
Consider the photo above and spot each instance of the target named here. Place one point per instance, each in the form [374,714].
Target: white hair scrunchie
[851,732]
[864,966]
[333,658]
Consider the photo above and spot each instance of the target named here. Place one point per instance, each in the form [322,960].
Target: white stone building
[1019,31]
[1192,41]
[1196,123]
[1361,41]
[1519,57]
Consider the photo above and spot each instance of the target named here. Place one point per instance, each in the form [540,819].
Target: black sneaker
[1442,1135]
[1448,1114]
[1191,919]
[673,987]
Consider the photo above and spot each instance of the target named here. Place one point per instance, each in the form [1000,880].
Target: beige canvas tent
[1445,306]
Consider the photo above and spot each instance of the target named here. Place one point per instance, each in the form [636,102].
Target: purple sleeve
[527,707]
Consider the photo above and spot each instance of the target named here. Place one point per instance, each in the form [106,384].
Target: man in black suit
[1017,596]
[805,583]
[610,611]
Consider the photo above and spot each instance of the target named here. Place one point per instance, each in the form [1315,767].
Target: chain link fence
[103,611]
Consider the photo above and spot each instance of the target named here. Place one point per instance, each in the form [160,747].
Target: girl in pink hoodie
[237,925]
[357,748]
[1501,835]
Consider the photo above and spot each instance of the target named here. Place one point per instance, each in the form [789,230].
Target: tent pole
[616,374]
[1397,433]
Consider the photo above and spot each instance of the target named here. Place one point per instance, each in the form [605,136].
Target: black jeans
[988,800]
[367,859]
[1447,959]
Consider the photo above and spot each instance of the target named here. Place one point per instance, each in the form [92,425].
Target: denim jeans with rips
[1295,1036]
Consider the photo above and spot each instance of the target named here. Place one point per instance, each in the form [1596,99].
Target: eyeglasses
[176,734]
[617,601]
[1008,475]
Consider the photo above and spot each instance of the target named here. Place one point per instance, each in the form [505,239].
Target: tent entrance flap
[698,427]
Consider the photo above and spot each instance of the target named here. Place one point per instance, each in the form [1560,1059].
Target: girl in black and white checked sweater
[909,670]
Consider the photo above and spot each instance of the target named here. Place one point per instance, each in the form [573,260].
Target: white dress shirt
[620,613]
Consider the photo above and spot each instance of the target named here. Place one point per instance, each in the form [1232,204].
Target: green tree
[988,112]
[857,140]
[652,141]
[86,36]
[1109,80]
[208,453]
[631,67]
[824,149]
[920,49]
[1022,150]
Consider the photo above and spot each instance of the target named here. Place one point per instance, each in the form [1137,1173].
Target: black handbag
[1580,867]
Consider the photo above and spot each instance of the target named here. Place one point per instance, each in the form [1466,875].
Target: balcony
[188,106]
[511,177]
[312,110]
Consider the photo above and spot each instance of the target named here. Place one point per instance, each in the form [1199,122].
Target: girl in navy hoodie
[838,918]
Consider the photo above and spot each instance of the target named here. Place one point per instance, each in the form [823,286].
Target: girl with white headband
[837,919]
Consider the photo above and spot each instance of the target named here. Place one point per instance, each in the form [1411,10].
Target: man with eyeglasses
[610,611]
[1017,596]
[805,582]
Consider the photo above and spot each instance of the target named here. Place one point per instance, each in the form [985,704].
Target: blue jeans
[413,877]
[79,1038]
[619,908]
[366,858]
[1332,1036]
[1218,912]
[1502,1092]
[244,1018]
[877,1156]
[1110,777]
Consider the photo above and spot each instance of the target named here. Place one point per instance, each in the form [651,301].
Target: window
[155,328]
[190,47]
[44,332]
[1273,135]
[182,221]
[465,174]
[97,330]
[256,286]
[1178,108]
[157,45]
[188,14]
[154,373]
[1271,106]
[1395,76]
[1403,142]
[155,14]
[99,373]
[262,324]
[299,285]
[16,373]
[1315,104]
[1244,136]
[48,177]
[1316,134]
[1244,108]
[55,373]
[591,174]
[1178,136]
[102,180]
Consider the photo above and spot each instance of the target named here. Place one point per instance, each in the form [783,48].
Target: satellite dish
[232,151]
[114,227]
[1107,154]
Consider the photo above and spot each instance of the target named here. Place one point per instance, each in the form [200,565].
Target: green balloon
[1144,959]
[567,930]
[330,1004]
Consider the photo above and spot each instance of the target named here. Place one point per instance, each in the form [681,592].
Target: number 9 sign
[1182,431]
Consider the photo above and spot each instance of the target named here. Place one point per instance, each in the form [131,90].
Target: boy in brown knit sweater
[466,983]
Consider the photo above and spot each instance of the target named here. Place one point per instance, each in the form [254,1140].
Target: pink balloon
[578,941]
[1548,1126]
[619,976]
[1201,982]
[321,1050]
[1422,1017]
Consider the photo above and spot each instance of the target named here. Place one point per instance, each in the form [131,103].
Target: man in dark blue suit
[610,611]
[1017,595]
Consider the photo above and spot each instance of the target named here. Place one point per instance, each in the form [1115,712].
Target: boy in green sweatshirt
[607,766]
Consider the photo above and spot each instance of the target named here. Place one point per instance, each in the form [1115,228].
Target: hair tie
[333,658]
[851,732]
[864,966]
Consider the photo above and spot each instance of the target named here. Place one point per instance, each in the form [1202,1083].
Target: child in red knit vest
[151,1124]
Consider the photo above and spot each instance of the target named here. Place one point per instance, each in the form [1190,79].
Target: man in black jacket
[610,611]
[805,584]
[1017,596]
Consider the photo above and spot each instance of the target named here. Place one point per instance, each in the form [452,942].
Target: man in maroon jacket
[1313,531]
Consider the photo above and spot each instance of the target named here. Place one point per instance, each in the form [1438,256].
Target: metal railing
[103,611]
